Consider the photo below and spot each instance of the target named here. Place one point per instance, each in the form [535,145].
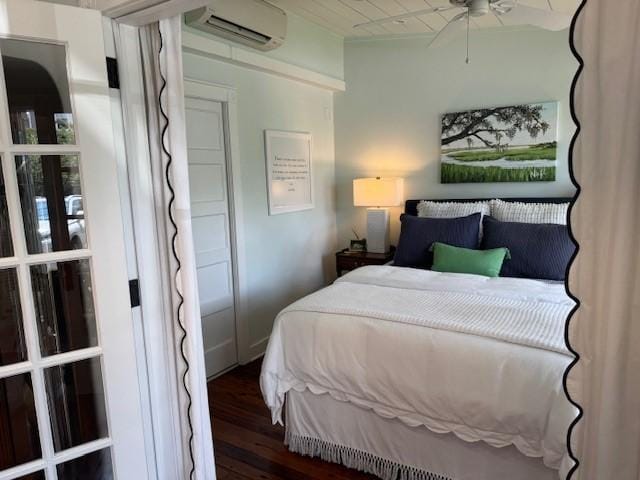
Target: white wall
[288,255]
[388,120]
[307,45]
[311,46]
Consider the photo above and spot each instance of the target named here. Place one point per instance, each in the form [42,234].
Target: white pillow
[451,209]
[529,212]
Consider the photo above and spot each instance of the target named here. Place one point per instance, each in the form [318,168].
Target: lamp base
[378,230]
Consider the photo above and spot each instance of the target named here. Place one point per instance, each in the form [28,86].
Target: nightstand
[346,260]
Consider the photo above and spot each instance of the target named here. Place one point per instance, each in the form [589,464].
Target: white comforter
[482,358]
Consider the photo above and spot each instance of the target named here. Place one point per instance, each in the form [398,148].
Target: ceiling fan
[510,12]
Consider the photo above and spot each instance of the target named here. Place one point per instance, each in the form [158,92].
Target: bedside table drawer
[347,263]
[346,260]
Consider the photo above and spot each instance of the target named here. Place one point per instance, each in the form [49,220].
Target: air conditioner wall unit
[254,23]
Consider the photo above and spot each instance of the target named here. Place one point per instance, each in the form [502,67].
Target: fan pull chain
[468,21]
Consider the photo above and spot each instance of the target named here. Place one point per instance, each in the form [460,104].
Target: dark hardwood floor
[247,445]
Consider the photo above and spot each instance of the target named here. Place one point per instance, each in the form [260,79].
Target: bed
[414,374]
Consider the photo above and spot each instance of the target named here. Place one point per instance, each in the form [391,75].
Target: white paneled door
[211,228]
[69,393]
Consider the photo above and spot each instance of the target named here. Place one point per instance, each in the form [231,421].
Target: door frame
[117,118]
[227,96]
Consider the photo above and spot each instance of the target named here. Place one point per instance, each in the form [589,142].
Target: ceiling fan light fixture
[476,8]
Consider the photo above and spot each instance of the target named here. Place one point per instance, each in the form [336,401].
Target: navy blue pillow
[417,234]
[538,250]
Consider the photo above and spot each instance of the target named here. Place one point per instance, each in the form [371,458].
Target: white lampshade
[377,192]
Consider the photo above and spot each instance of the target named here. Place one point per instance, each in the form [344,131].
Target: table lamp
[376,194]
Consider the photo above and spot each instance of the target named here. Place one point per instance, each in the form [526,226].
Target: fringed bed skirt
[356,459]
[340,432]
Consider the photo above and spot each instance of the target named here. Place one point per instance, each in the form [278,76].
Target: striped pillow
[454,210]
[451,209]
[529,212]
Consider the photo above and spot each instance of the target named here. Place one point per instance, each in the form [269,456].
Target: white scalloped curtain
[150,59]
[606,222]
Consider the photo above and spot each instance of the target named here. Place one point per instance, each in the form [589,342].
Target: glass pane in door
[65,314]
[76,403]
[96,465]
[12,344]
[33,476]
[37,92]
[6,246]
[19,442]
[51,199]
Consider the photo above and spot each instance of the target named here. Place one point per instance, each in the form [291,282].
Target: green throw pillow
[447,258]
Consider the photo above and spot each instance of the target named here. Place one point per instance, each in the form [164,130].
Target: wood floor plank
[243,468]
[248,446]
[223,473]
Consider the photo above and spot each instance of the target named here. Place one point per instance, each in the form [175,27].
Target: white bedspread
[482,358]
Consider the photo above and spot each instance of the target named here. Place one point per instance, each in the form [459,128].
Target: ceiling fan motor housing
[477,8]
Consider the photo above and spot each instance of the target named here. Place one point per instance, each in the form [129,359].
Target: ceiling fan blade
[395,18]
[449,31]
[547,19]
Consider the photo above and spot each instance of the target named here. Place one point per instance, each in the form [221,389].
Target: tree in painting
[502,144]
[478,124]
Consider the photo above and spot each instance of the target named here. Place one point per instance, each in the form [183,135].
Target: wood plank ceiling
[339,16]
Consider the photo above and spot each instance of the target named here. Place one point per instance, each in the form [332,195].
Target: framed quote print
[289,171]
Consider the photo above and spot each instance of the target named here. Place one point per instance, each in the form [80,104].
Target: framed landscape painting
[501,144]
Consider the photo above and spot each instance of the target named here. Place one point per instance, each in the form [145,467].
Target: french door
[69,393]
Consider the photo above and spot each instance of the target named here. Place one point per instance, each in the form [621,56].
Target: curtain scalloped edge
[174,250]
[574,138]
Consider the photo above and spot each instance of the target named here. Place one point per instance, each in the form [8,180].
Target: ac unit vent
[248,34]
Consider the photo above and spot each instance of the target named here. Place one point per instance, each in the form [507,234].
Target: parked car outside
[75,222]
